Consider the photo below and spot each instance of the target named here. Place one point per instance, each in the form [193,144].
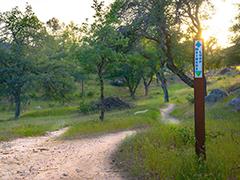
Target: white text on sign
[198,59]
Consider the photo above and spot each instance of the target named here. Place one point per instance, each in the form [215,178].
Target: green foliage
[90,94]
[101,47]
[236,27]
[101,42]
[160,21]
[130,67]
[57,82]
[190,98]
[85,107]
[183,53]
[32,60]
[21,35]
[232,56]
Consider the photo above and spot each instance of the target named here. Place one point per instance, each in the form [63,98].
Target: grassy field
[167,151]
[78,124]
[162,151]
[53,116]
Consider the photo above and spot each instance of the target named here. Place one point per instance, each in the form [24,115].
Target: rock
[78,170]
[112,103]
[141,112]
[65,174]
[118,82]
[35,151]
[43,149]
[234,89]
[5,153]
[38,107]
[229,71]
[235,103]
[215,96]
[225,71]
[210,73]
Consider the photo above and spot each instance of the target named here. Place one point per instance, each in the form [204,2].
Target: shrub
[190,98]
[90,94]
[85,107]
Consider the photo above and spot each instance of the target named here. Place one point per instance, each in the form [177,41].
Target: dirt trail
[166,118]
[44,158]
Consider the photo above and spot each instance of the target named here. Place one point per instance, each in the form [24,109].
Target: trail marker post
[199,98]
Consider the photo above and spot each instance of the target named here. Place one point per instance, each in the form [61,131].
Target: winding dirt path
[44,158]
[166,117]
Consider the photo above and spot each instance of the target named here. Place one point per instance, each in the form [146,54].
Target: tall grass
[167,151]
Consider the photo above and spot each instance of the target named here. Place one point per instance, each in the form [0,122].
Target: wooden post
[199,98]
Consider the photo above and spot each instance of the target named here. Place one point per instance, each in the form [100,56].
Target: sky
[64,10]
[221,21]
[79,10]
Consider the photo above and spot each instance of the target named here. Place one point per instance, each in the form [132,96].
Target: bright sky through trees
[79,10]
[218,26]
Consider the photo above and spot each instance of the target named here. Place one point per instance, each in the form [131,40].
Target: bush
[51,105]
[190,98]
[3,108]
[90,94]
[85,107]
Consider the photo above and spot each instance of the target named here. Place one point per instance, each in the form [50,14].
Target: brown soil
[46,158]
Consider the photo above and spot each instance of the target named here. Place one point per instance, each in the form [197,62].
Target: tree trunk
[165,91]
[147,84]
[130,88]
[132,93]
[157,81]
[163,80]
[180,74]
[82,88]
[145,89]
[17,105]
[102,108]
[170,63]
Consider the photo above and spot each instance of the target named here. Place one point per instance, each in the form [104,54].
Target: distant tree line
[133,40]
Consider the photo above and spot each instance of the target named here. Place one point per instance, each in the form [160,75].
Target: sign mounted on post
[198,59]
[199,98]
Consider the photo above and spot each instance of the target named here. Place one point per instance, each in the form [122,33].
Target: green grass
[113,123]
[43,108]
[167,151]
[29,127]
[38,122]
[160,152]
[52,112]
